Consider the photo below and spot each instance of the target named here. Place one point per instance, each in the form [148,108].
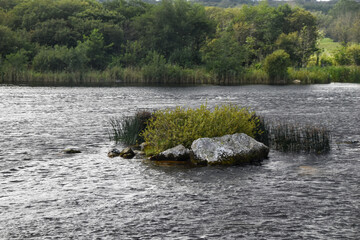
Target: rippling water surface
[45,194]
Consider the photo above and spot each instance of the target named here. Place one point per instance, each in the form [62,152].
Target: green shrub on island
[127,130]
[171,127]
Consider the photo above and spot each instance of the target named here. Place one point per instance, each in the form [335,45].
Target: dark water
[47,195]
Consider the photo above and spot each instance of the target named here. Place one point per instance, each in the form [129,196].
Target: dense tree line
[82,35]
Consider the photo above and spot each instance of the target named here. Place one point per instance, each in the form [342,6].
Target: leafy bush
[17,61]
[128,129]
[169,128]
[154,66]
[326,60]
[60,58]
[342,57]
[276,65]
[354,53]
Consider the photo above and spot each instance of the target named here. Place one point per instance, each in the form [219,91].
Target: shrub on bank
[276,65]
[169,128]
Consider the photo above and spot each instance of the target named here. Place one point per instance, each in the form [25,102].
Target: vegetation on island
[128,130]
[171,127]
[168,128]
[177,41]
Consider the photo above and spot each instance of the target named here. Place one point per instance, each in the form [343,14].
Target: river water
[45,194]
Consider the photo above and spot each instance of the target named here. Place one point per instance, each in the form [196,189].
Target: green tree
[54,32]
[60,58]
[17,61]
[95,48]
[9,41]
[127,9]
[276,65]
[290,44]
[344,26]
[174,26]
[224,56]
[261,25]
[299,37]
[134,53]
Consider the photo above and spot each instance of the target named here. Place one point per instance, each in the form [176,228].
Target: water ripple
[47,194]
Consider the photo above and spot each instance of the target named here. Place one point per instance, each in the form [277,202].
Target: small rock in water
[114,153]
[127,153]
[71,150]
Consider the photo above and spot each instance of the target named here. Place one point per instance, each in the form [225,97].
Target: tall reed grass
[127,130]
[349,74]
[288,137]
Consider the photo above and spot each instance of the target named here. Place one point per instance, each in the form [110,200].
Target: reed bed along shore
[177,75]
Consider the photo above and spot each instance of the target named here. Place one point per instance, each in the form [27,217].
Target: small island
[225,135]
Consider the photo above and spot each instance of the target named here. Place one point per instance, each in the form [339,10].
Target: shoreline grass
[176,75]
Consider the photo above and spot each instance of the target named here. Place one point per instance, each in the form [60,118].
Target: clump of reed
[290,137]
[127,130]
[326,74]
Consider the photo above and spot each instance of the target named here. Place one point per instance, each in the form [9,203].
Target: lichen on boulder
[236,149]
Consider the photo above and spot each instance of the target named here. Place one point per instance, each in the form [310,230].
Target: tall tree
[174,26]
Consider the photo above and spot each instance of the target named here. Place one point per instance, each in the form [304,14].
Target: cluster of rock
[236,149]
[127,153]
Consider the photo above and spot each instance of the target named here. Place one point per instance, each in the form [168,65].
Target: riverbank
[177,75]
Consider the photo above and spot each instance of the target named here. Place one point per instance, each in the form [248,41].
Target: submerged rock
[114,153]
[178,153]
[233,149]
[71,150]
[127,153]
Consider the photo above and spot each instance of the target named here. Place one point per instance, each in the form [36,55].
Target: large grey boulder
[233,149]
[178,153]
